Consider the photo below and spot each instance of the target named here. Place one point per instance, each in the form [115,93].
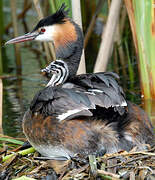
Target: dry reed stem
[15,28]
[130,10]
[102,172]
[76,15]
[108,37]
[21,15]
[1,105]
[49,49]
[92,22]
[121,52]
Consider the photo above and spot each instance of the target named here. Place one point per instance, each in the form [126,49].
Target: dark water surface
[18,93]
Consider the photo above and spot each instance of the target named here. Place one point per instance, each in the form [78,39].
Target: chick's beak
[26,37]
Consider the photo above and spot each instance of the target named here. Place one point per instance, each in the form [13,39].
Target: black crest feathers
[57,18]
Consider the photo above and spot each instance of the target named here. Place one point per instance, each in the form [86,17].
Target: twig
[132,175]
[102,172]
[11,161]
[126,162]
[152,149]
[127,154]
[137,158]
[3,152]
[145,167]
[21,169]
[77,171]
[37,169]
[140,152]
[73,172]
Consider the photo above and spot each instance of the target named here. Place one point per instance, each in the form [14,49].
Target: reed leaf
[142,20]
[24,178]
[56,4]
[14,141]
[53,7]
[23,152]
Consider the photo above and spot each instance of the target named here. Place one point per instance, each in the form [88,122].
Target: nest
[121,165]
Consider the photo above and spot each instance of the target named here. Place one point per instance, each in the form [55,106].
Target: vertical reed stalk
[149,107]
[121,52]
[92,22]
[108,36]
[58,3]
[17,46]
[1,21]
[115,63]
[1,105]
[20,16]
[52,4]
[142,21]
[1,35]
[130,68]
[1,92]
[1,65]
[49,49]
[76,15]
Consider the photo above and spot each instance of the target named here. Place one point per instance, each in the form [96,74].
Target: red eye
[43,30]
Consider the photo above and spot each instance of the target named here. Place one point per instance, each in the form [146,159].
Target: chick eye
[43,30]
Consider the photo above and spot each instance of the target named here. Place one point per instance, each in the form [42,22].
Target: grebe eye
[43,30]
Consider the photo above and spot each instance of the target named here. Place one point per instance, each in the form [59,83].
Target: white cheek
[48,34]
[43,37]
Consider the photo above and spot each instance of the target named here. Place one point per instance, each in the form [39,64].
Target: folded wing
[80,96]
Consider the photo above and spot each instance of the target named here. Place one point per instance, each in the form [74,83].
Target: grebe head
[46,29]
[65,34]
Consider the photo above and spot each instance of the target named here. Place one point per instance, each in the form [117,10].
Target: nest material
[122,165]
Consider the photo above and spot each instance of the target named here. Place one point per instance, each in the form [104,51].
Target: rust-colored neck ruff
[68,41]
[64,34]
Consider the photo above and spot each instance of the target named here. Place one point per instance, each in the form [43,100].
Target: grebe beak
[26,37]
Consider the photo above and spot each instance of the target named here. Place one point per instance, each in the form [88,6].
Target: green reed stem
[23,152]
[145,30]
[1,34]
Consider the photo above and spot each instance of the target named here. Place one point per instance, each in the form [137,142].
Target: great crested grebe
[79,114]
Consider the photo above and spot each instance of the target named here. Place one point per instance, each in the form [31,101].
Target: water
[18,93]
